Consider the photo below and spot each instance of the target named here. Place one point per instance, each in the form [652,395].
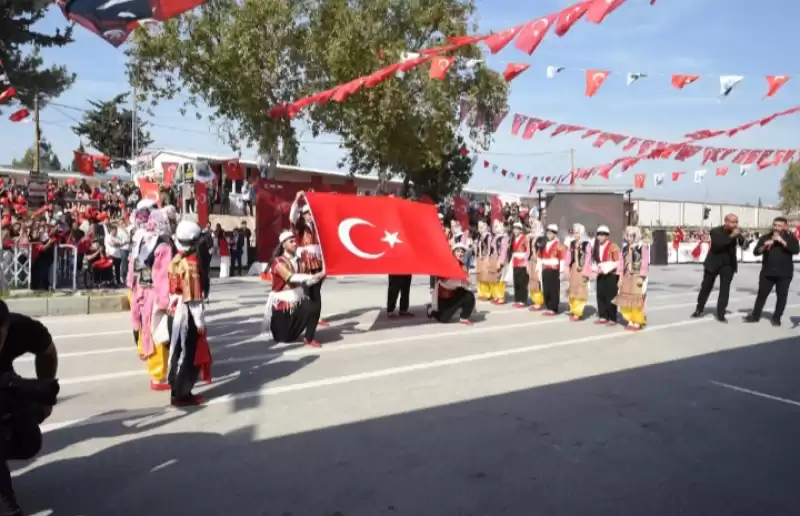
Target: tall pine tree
[19,51]
[108,127]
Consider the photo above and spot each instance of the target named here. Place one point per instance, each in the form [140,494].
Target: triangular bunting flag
[658,179]
[774,83]
[439,67]
[533,33]
[633,77]
[727,83]
[676,176]
[639,181]
[595,79]
[698,176]
[513,70]
[679,81]
[552,71]
[516,125]
[743,169]
[721,171]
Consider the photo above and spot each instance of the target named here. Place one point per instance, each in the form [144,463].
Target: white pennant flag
[698,176]
[494,169]
[472,63]
[633,77]
[552,71]
[727,83]
[659,179]
[744,169]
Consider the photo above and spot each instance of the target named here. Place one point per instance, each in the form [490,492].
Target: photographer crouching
[24,403]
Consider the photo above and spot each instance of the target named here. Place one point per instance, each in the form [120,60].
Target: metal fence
[17,269]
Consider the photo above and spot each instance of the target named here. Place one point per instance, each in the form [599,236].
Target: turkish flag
[567,17]
[7,94]
[599,9]
[168,175]
[439,67]
[148,189]
[84,163]
[497,41]
[679,81]
[595,79]
[533,33]
[461,208]
[201,203]
[512,71]
[638,181]
[381,235]
[497,209]
[233,170]
[774,82]
[19,116]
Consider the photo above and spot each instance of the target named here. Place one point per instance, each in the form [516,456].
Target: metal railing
[65,268]
[17,269]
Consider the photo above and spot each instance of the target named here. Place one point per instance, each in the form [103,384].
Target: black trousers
[462,302]
[765,284]
[606,292]
[117,270]
[433,281]
[205,277]
[399,286]
[236,264]
[183,374]
[520,275]
[725,274]
[21,439]
[551,289]
[314,293]
[287,326]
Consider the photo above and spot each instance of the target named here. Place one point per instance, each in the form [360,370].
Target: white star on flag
[744,169]
[552,71]
[633,77]
[391,238]
[727,83]
[659,179]
[698,176]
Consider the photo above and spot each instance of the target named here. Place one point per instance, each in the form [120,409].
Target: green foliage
[444,179]
[238,59]
[48,161]
[108,127]
[19,51]
[790,189]
[401,126]
[241,58]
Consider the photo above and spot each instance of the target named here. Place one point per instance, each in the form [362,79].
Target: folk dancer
[189,353]
[452,296]
[603,263]
[499,252]
[634,264]
[308,250]
[289,313]
[520,257]
[139,218]
[551,257]
[487,274]
[577,255]
[537,243]
[148,276]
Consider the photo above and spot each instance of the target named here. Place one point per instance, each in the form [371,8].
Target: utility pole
[37,137]
[134,116]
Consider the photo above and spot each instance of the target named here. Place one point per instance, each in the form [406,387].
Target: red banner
[169,173]
[461,209]
[201,203]
[149,189]
[233,170]
[381,235]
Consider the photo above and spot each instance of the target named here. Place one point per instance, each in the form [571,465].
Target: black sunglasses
[603,234]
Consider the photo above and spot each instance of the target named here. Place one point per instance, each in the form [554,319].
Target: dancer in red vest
[551,258]
[308,250]
[520,254]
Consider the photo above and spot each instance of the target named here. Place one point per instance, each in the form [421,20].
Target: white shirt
[124,238]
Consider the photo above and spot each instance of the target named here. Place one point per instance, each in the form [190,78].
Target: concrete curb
[69,305]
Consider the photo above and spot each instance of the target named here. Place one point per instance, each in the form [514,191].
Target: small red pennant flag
[485,164]
[774,83]
[497,42]
[595,79]
[513,70]
[516,125]
[7,94]
[570,15]
[533,33]
[639,180]
[721,171]
[440,66]
[679,81]
[599,9]
[676,175]
[19,116]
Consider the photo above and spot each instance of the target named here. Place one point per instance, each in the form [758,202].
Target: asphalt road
[519,415]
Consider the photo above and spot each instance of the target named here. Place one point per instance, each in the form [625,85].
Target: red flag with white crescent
[201,203]
[362,235]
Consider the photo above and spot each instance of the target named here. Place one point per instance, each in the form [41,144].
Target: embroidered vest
[580,251]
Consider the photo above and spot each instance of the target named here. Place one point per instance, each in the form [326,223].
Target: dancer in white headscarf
[633,266]
[578,253]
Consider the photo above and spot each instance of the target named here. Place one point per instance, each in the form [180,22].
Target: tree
[243,59]
[74,166]
[19,51]
[237,59]
[438,182]
[403,126]
[790,189]
[108,127]
[48,161]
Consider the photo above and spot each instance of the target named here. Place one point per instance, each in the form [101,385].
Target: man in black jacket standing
[777,269]
[721,261]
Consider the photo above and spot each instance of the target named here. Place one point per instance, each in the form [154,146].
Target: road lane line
[756,393]
[394,371]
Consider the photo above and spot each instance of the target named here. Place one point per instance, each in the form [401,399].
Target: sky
[703,37]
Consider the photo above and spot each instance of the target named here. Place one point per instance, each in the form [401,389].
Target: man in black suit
[777,269]
[721,261]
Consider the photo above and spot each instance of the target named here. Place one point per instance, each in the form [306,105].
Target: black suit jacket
[722,252]
[777,260]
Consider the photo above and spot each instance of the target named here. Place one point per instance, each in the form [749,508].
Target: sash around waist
[293,295]
[519,255]
[549,261]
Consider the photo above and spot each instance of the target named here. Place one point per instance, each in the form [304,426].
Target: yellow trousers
[576,306]
[484,290]
[537,296]
[498,291]
[157,362]
[634,316]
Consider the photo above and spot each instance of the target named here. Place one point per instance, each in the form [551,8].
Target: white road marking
[756,393]
[256,338]
[382,373]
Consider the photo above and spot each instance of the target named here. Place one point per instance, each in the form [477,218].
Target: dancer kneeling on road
[288,312]
[24,403]
[451,296]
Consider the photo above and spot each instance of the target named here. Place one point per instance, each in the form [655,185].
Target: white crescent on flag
[347,240]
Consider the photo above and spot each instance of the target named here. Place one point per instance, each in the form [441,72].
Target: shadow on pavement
[660,440]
